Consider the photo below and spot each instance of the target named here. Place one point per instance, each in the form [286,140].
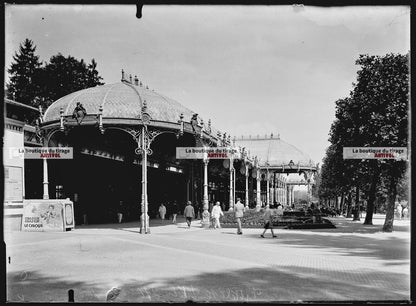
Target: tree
[64,75]
[23,86]
[374,115]
[403,188]
[93,79]
[343,175]
[382,94]
[35,83]
[329,178]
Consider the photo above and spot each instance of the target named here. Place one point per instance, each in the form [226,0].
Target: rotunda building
[276,159]
[110,128]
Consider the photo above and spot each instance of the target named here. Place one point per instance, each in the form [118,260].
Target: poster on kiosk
[47,215]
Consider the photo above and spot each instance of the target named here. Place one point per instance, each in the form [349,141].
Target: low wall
[12,222]
[12,217]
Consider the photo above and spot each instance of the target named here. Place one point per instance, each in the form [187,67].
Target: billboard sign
[207,153]
[398,153]
[47,215]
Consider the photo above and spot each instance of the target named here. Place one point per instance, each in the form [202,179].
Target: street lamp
[144,138]
[244,155]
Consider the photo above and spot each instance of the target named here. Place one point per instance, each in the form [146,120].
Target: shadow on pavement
[244,285]
[385,248]
[349,226]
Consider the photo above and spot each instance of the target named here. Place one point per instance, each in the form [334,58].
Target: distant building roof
[274,152]
[12,102]
[19,111]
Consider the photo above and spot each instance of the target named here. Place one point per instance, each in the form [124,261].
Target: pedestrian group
[269,216]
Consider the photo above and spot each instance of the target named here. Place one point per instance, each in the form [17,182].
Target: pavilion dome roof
[122,100]
[274,151]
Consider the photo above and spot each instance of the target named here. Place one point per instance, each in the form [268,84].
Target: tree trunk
[349,202]
[371,199]
[357,204]
[388,222]
[341,206]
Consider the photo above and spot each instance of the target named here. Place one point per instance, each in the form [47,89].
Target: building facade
[20,175]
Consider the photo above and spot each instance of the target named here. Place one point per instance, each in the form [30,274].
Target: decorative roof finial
[100,119]
[40,113]
[180,133]
[271,135]
[131,81]
[144,108]
[61,112]
[141,84]
[122,75]
[136,80]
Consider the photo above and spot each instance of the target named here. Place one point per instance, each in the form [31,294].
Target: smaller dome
[275,152]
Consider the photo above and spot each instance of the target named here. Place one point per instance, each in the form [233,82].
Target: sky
[252,70]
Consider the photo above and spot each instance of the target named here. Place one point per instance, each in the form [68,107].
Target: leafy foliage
[23,85]
[374,115]
[34,83]
[64,75]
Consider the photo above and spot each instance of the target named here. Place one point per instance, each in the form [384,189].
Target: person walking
[216,214]
[189,213]
[268,219]
[239,212]
[120,212]
[162,211]
[399,211]
[174,212]
[405,212]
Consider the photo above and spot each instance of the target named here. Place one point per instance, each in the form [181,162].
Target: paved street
[351,262]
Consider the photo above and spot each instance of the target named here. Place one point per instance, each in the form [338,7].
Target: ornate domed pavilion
[277,157]
[123,104]
[129,123]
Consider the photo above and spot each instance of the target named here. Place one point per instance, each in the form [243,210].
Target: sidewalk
[173,264]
